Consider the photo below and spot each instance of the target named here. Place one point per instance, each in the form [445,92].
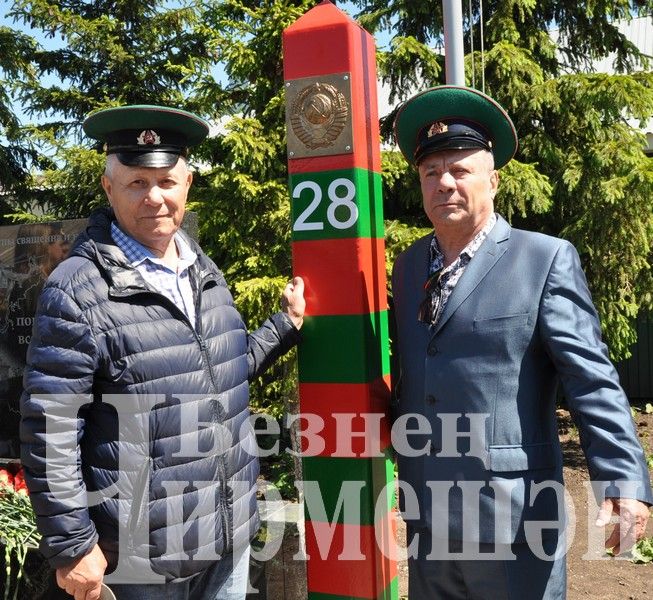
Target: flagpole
[454,53]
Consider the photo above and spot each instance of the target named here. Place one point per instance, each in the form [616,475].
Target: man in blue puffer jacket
[135,436]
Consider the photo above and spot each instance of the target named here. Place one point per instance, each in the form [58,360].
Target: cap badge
[148,138]
[436,128]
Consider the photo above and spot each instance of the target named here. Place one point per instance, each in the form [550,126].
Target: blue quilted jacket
[140,417]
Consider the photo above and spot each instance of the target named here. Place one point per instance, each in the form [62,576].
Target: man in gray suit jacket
[489,320]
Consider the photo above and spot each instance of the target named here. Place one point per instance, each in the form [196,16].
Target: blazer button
[431,399]
[431,350]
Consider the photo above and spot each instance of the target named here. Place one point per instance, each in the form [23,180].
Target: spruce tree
[580,172]
[17,153]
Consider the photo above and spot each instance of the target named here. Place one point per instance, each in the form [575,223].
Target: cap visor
[148,159]
[451,144]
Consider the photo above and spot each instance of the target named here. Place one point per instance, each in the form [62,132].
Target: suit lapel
[421,266]
[485,258]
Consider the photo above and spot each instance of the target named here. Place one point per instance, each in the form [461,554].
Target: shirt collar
[186,256]
[136,253]
[437,256]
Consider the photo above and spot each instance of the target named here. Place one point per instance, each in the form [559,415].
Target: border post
[338,247]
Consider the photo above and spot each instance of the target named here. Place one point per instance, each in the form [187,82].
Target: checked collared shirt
[450,275]
[171,284]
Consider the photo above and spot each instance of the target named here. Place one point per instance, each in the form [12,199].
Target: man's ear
[106,186]
[494,181]
[190,178]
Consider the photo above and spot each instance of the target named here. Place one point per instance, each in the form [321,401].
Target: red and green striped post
[338,247]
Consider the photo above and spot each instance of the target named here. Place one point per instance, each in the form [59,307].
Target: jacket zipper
[222,470]
[215,417]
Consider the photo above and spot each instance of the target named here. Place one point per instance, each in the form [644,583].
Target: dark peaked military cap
[452,117]
[144,135]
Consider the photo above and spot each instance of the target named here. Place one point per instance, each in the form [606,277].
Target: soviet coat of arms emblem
[318,115]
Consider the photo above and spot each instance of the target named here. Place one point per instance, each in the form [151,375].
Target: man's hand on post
[292,301]
[83,579]
[633,516]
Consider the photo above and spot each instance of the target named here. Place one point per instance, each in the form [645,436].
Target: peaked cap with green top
[144,135]
[452,117]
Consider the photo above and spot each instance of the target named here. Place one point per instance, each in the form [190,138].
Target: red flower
[19,482]
[6,478]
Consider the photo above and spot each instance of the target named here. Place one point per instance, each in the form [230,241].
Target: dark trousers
[526,577]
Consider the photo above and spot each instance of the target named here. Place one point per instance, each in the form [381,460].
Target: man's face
[458,188]
[58,250]
[149,203]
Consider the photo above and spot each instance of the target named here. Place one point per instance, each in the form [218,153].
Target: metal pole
[480,20]
[452,12]
[471,42]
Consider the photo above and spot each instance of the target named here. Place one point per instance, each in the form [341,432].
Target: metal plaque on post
[319,116]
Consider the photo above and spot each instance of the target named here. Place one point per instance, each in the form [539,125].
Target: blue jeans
[226,580]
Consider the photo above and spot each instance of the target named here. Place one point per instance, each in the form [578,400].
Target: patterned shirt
[171,284]
[450,275]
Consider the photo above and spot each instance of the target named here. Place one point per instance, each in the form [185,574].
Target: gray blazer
[519,321]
